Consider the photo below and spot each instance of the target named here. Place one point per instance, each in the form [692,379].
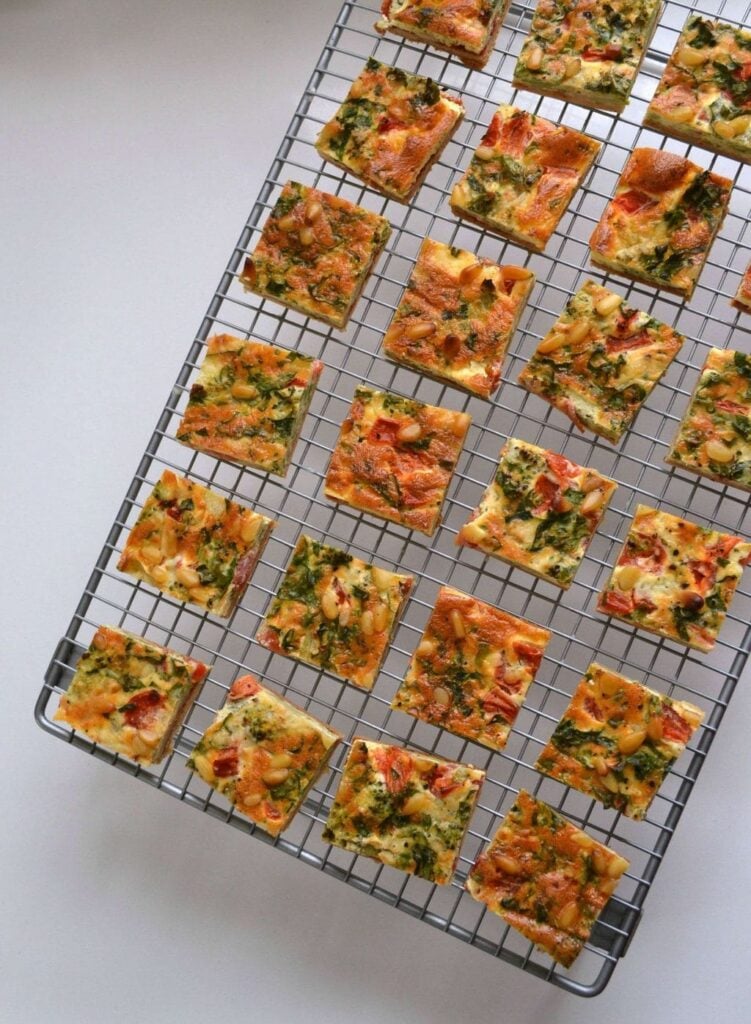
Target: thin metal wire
[579,632]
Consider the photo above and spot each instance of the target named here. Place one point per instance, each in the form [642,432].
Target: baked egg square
[600,361]
[546,878]
[539,512]
[457,317]
[661,223]
[586,51]
[742,298]
[335,611]
[131,695]
[522,176]
[315,253]
[465,28]
[390,129]
[195,545]
[407,810]
[617,740]
[249,402]
[704,95]
[675,578]
[472,669]
[395,458]
[263,754]
[714,436]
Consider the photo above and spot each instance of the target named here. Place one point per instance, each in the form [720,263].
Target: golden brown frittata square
[457,317]
[617,740]
[395,457]
[675,578]
[335,611]
[131,695]
[249,402]
[523,175]
[315,253]
[391,128]
[263,754]
[465,28]
[472,669]
[661,223]
[407,810]
[546,878]
[586,51]
[195,545]
[539,512]
[714,437]
[600,361]
[704,95]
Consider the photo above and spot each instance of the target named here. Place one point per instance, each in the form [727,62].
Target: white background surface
[136,137]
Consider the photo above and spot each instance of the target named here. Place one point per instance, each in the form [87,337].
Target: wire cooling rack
[579,632]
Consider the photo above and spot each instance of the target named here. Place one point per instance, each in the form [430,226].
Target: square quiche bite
[457,317]
[742,298]
[587,51]
[675,578]
[315,253]
[661,223]
[704,96]
[600,361]
[131,695]
[390,129]
[522,176]
[195,545]
[472,669]
[539,513]
[714,438]
[617,740]
[263,754]
[467,28]
[404,809]
[335,611]
[546,878]
[395,458]
[249,402]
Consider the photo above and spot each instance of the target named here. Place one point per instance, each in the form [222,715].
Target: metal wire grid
[579,633]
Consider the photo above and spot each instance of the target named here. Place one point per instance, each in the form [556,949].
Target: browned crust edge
[695,138]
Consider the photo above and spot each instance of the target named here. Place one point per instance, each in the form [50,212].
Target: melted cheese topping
[617,740]
[390,128]
[249,402]
[335,611]
[195,545]
[407,810]
[662,221]
[130,695]
[589,52]
[464,27]
[540,512]
[395,458]
[263,754]
[315,252]
[675,578]
[523,175]
[714,438]
[472,669]
[599,367]
[704,95]
[546,878]
[463,311]
[743,295]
